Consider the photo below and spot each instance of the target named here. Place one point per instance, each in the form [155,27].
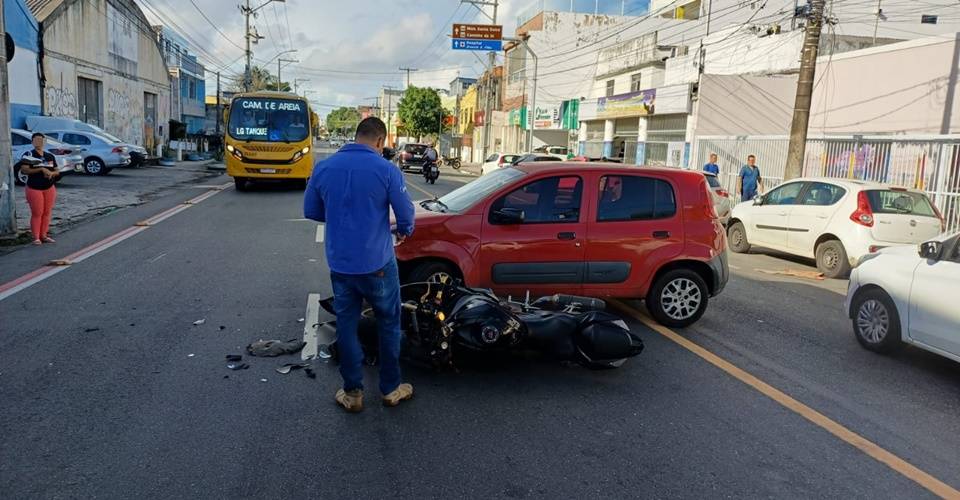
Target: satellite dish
[8,43]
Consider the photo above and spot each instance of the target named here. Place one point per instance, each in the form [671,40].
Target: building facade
[187,81]
[100,63]
[24,80]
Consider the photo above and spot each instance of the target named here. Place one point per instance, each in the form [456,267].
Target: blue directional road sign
[484,45]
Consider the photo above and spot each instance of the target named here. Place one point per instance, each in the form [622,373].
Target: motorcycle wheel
[433,181]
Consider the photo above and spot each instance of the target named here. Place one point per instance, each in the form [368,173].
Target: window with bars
[635,83]
[610,87]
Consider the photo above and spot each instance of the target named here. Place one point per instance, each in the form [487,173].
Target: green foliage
[421,112]
[260,79]
[343,121]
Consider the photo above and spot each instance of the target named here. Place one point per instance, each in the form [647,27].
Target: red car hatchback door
[533,237]
[636,228]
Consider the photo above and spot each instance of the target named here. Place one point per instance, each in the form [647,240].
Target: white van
[138,154]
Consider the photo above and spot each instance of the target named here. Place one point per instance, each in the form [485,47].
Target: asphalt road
[109,390]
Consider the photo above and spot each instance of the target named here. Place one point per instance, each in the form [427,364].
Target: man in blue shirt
[712,167]
[353,192]
[750,183]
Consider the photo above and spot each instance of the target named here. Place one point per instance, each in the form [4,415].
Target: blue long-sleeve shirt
[352,192]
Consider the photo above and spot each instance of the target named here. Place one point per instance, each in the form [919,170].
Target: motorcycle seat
[551,332]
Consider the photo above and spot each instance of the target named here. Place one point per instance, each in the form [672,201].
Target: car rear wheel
[876,322]
[678,298]
[737,238]
[832,259]
[19,177]
[95,166]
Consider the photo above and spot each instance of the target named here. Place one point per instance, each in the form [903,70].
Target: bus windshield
[268,119]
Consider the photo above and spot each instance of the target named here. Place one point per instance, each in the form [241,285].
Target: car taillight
[723,192]
[500,161]
[117,149]
[707,201]
[61,151]
[943,222]
[864,213]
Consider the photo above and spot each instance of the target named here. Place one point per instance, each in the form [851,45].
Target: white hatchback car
[835,221]
[495,161]
[900,294]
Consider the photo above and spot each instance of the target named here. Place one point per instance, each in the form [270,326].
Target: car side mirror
[509,216]
[932,250]
[758,201]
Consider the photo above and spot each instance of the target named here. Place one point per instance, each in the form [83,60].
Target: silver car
[69,158]
[721,198]
[101,154]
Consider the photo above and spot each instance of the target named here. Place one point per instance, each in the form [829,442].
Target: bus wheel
[240,183]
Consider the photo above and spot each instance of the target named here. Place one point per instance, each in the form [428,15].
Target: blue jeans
[381,289]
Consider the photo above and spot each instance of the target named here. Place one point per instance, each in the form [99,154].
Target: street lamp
[298,80]
[282,60]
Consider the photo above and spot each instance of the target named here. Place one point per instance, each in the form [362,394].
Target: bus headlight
[234,151]
[305,150]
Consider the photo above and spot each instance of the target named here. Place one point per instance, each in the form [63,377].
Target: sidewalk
[81,197]
[470,168]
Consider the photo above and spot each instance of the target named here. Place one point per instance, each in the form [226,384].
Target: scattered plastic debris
[287,368]
[234,357]
[190,355]
[199,322]
[263,380]
[300,320]
[323,352]
[89,330]
[270,348]
[237,366]
[223,327]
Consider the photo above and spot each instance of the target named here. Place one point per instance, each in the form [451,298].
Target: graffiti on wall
[124,116]
[61,102]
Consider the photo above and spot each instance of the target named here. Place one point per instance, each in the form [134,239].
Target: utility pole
[389,119]
[533,97]
[219,116]
[408,70]
[490,67]
[876,24]
[282,60]
[8,218]
[247,12]
[801,107]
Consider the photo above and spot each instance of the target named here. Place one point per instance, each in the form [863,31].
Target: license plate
[268,170]
[417,157]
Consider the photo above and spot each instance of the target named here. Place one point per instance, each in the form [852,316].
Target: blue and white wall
[24,80]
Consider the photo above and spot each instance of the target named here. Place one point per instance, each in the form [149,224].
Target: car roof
[854,184]
[602,167]
[81,132]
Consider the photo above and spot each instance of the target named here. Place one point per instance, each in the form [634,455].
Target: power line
[211,23]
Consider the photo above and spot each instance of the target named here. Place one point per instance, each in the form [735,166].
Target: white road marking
[32,281]
[158,257]
[321,230]
[310,321]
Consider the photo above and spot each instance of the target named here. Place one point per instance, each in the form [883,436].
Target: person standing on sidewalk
[41,192]
[353,191]
[750,183]
[712,166]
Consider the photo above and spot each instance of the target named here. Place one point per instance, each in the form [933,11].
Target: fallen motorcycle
[444,321]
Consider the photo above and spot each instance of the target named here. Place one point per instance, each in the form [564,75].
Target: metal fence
[928,163]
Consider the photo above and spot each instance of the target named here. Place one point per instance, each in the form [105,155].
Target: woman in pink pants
[41,192]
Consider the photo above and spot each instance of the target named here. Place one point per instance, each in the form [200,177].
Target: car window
[822,194]
[471,193]
[546,158]
[713,181]
[632,197]
[492,157]
[784,195]
[892,201]
[76,139]
[19,140]
[416,149]
[510,158]
[52,135]
[550,200]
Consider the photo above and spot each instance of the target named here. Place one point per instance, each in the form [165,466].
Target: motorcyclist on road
[430,159]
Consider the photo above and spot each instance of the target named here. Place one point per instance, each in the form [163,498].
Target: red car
[593,229]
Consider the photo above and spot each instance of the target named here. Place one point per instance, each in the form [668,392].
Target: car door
[543,253]
[811,214]
[20,145]
[934,315]
[636,227]
[769,221]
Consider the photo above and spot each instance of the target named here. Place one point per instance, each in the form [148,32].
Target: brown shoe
[403,392]
[351,401]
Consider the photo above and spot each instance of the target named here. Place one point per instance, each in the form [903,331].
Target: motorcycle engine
[481,324]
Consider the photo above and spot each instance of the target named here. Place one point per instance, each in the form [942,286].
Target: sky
[347,50]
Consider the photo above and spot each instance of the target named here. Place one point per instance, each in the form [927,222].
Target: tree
[343,121]
[421,112]
[260,79]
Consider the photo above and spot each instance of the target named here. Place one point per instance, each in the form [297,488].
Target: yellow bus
[269,135]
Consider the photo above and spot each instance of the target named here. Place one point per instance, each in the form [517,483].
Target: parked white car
[833,221]
[902,294]
[68,157]
[101,154]
[497,160]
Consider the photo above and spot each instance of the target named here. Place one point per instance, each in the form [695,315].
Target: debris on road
[234,357]
[263,380]
[287,368]
[812,275]
[199,322]
[237,366]
[270,348]
[90,330]
[300,320]
[310,373]
[190,355]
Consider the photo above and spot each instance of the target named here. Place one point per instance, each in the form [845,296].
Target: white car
[495,161]
[900,294]
[68,157]
[835,221]
[721,198]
